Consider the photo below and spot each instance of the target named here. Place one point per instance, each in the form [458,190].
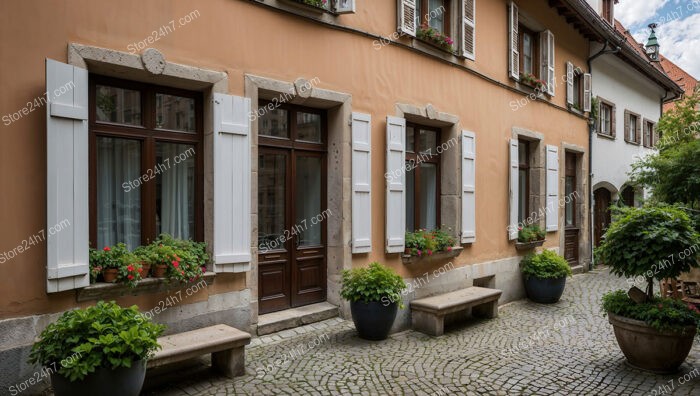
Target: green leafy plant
[659,313]
[371,284]
[595,105]
[117,257]
[102,336]
[315,3]
[649,242]
[428,33]
[531,80]
[129,270]
[425,243]
[545,265]
[188,260]
[530,233]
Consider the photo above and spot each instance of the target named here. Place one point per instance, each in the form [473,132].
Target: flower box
[435,38]
[528,245]
[442,255]
[318,6]
[110,291]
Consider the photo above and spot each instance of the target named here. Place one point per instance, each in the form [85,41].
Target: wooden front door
[291,208]
[571,217]
[602,198]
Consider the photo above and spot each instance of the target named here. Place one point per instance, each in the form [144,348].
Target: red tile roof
[638,47]
[684,80]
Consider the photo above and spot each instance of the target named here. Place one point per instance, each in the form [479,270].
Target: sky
[678,31]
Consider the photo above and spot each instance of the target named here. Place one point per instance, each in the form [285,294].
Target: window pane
[175,188]
[309,127]
[308,200]
[175,113]
[522,195]
[272,187]
[410,196]
[410,139]
[274,123]
[427,142]
[428,196]
[527,53]
[577,91]
[118,105]
[569,209]
[118,192]
[436,14]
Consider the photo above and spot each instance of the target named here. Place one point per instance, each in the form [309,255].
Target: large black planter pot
[545,291]
[373,320]
[649,349]
[103,382]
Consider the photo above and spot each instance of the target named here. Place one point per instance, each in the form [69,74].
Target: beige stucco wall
[241,37]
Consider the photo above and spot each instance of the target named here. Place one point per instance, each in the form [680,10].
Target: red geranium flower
[130,277]
[176,264]
[106,249]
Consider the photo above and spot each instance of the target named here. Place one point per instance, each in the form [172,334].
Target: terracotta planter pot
[159,270]
[145,269]
[649,349]
[109,275]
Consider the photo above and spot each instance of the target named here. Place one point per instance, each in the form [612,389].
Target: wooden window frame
[412,154]
[637,127]
[524,164]
[650,140]
[611,105]
[422,5]
[522,30]
[148,135]
[570,168]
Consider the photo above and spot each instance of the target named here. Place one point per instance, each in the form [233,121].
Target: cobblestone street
[571,351]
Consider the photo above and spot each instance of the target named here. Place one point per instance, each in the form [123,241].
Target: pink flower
[130,268]
[430,252]
[420,253]
[449,248]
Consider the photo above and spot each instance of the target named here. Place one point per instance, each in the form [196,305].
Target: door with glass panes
[291,207]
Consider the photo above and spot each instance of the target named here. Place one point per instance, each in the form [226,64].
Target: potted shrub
[545,276]
[374,293]
[189,258]
[100,350]
[106,262]
[529,237]
[142,257]
[654,333]
[161,258]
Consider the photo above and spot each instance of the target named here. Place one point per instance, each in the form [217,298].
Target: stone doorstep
[277,321]
[456,300]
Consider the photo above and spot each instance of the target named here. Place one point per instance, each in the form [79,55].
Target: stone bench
[225,343]
[428,314]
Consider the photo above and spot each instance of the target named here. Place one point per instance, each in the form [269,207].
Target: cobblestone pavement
[573,352]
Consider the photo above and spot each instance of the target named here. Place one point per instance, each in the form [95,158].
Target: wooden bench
[428,314]
[225,343]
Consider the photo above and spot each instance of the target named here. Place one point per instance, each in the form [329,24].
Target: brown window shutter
[627,125]
[612,121]
[638,127]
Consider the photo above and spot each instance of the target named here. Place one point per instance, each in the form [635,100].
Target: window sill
[602,135]
[431,49]
[409,259]
[575,110]
[308,7]
[632,143]
[106,291]
[520,246]
[529,90]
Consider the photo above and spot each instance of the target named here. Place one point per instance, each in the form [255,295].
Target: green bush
[425,243]
[102,336]
[530,233]
[659,313]
[649,242]
[371,284]
[545,265]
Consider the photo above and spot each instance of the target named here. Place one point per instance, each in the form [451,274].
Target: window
[633,127]
[608,10]
[435,14]
[650,138]
[145,172]
[606,118]
[422,177]
[627,196]
[529,51]
[523,181]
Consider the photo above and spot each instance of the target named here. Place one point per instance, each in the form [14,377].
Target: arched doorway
[602,198]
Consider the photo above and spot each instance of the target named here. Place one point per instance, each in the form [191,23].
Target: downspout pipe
[591,130]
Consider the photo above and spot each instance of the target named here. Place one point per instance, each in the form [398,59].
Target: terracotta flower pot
[145,269]
[650,349]
[159,270]
[109,275]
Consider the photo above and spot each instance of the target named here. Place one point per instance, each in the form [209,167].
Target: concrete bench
[225,343]
[428,314]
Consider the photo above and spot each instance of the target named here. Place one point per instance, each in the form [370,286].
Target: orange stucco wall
[239,37]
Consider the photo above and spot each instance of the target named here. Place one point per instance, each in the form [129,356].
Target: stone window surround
[581,202]
[538,168]
[450,186]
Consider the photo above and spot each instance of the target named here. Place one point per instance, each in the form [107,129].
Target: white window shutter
[552,212]
[407,17]
[469,29]
[344,6]
[514,61]
[547,57]
[513,190]
[67,218]
[587,89]
[395,184]
[232,175]
[468,187]
[570,83]
[361,183]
